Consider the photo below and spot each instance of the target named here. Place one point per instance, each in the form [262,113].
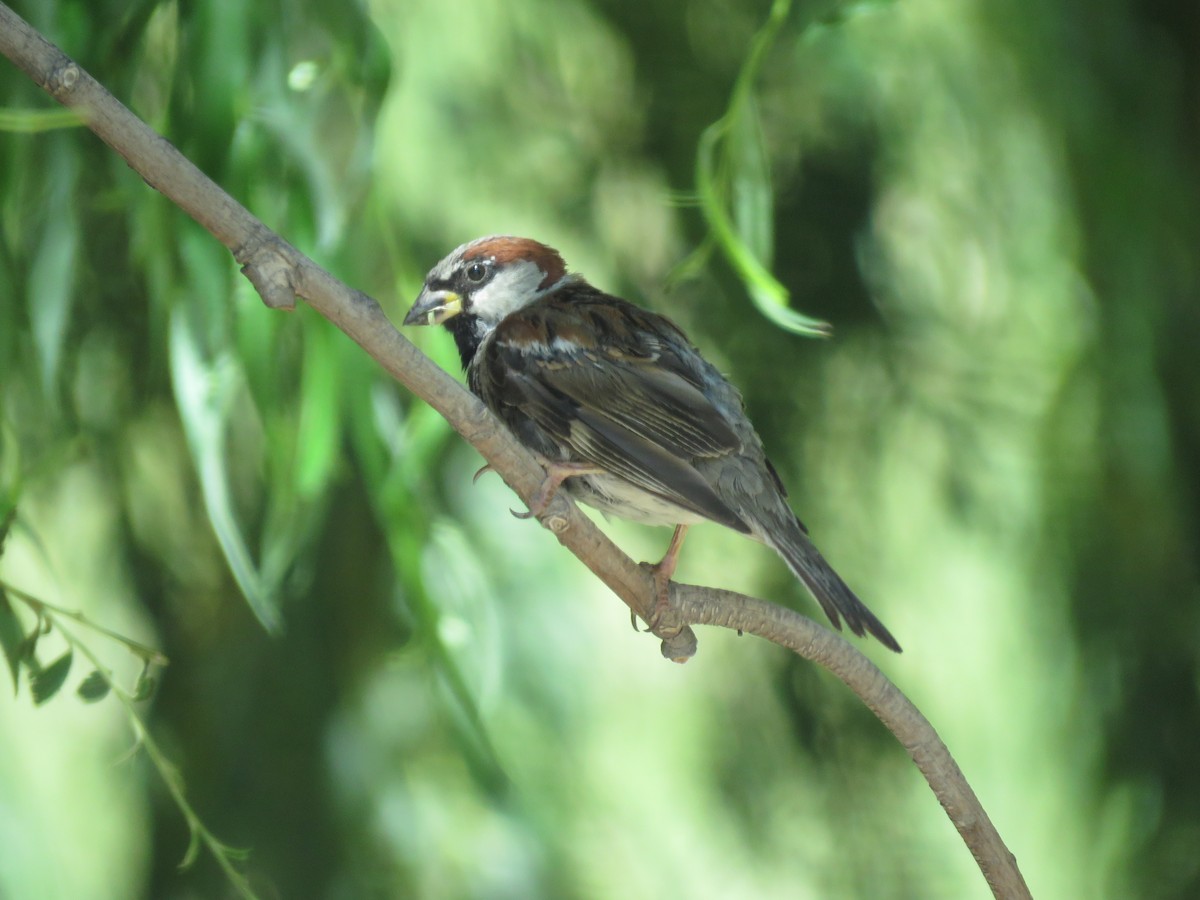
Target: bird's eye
[476,272]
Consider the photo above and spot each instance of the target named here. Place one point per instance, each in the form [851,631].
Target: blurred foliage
[997,207]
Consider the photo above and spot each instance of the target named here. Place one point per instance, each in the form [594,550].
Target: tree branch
[280,273]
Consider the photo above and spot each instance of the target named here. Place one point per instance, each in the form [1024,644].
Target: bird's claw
[540,501]
[487,467]
[556,474]
[662,592]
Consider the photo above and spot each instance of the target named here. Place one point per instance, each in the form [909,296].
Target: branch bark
[280,273]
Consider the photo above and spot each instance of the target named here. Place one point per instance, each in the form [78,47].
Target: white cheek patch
[513,288]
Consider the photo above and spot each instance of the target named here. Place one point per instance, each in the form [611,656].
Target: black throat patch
[465,329]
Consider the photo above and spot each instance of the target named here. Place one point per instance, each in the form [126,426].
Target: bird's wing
[605,381]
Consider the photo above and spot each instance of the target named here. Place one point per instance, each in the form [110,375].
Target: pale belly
[615,496]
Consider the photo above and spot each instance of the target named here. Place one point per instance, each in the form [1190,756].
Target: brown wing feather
[610,401]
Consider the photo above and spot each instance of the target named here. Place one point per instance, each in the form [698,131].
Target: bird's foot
[662,573]
[556,474]
[662,596]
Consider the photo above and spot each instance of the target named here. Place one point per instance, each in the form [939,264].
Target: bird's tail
[835,597]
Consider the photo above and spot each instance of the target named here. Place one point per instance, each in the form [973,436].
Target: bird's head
[485,281]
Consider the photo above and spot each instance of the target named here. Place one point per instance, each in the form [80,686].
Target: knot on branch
[679,643]
[63,78]
[680,646]
[554,515]
[268,268]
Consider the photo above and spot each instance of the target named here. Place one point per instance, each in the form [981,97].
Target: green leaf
[319,428]
[204,390]
[192,853]
[34,121]
[94,687]
[52,274]
[10,478]
[753,194]
[46,682]
[7,517]
[732,169]
[27,650]
[768,294]
[12,636]
[143,688]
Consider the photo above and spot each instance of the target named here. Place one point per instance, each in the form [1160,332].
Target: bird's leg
[666,569]
[662,572]
[556,473]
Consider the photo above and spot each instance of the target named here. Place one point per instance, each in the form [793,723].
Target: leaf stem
[713,175]
[51,615]
[42,608]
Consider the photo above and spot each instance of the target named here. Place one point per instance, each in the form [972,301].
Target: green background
[996,205]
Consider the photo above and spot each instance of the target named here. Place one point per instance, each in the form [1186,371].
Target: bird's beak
[433,307]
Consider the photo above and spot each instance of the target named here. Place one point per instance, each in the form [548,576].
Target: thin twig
[279,273]
[198,833]
[50,615]
[146,654]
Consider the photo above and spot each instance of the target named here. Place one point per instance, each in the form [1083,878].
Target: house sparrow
[623,411]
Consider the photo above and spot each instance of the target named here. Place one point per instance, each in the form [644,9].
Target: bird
[620,407]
